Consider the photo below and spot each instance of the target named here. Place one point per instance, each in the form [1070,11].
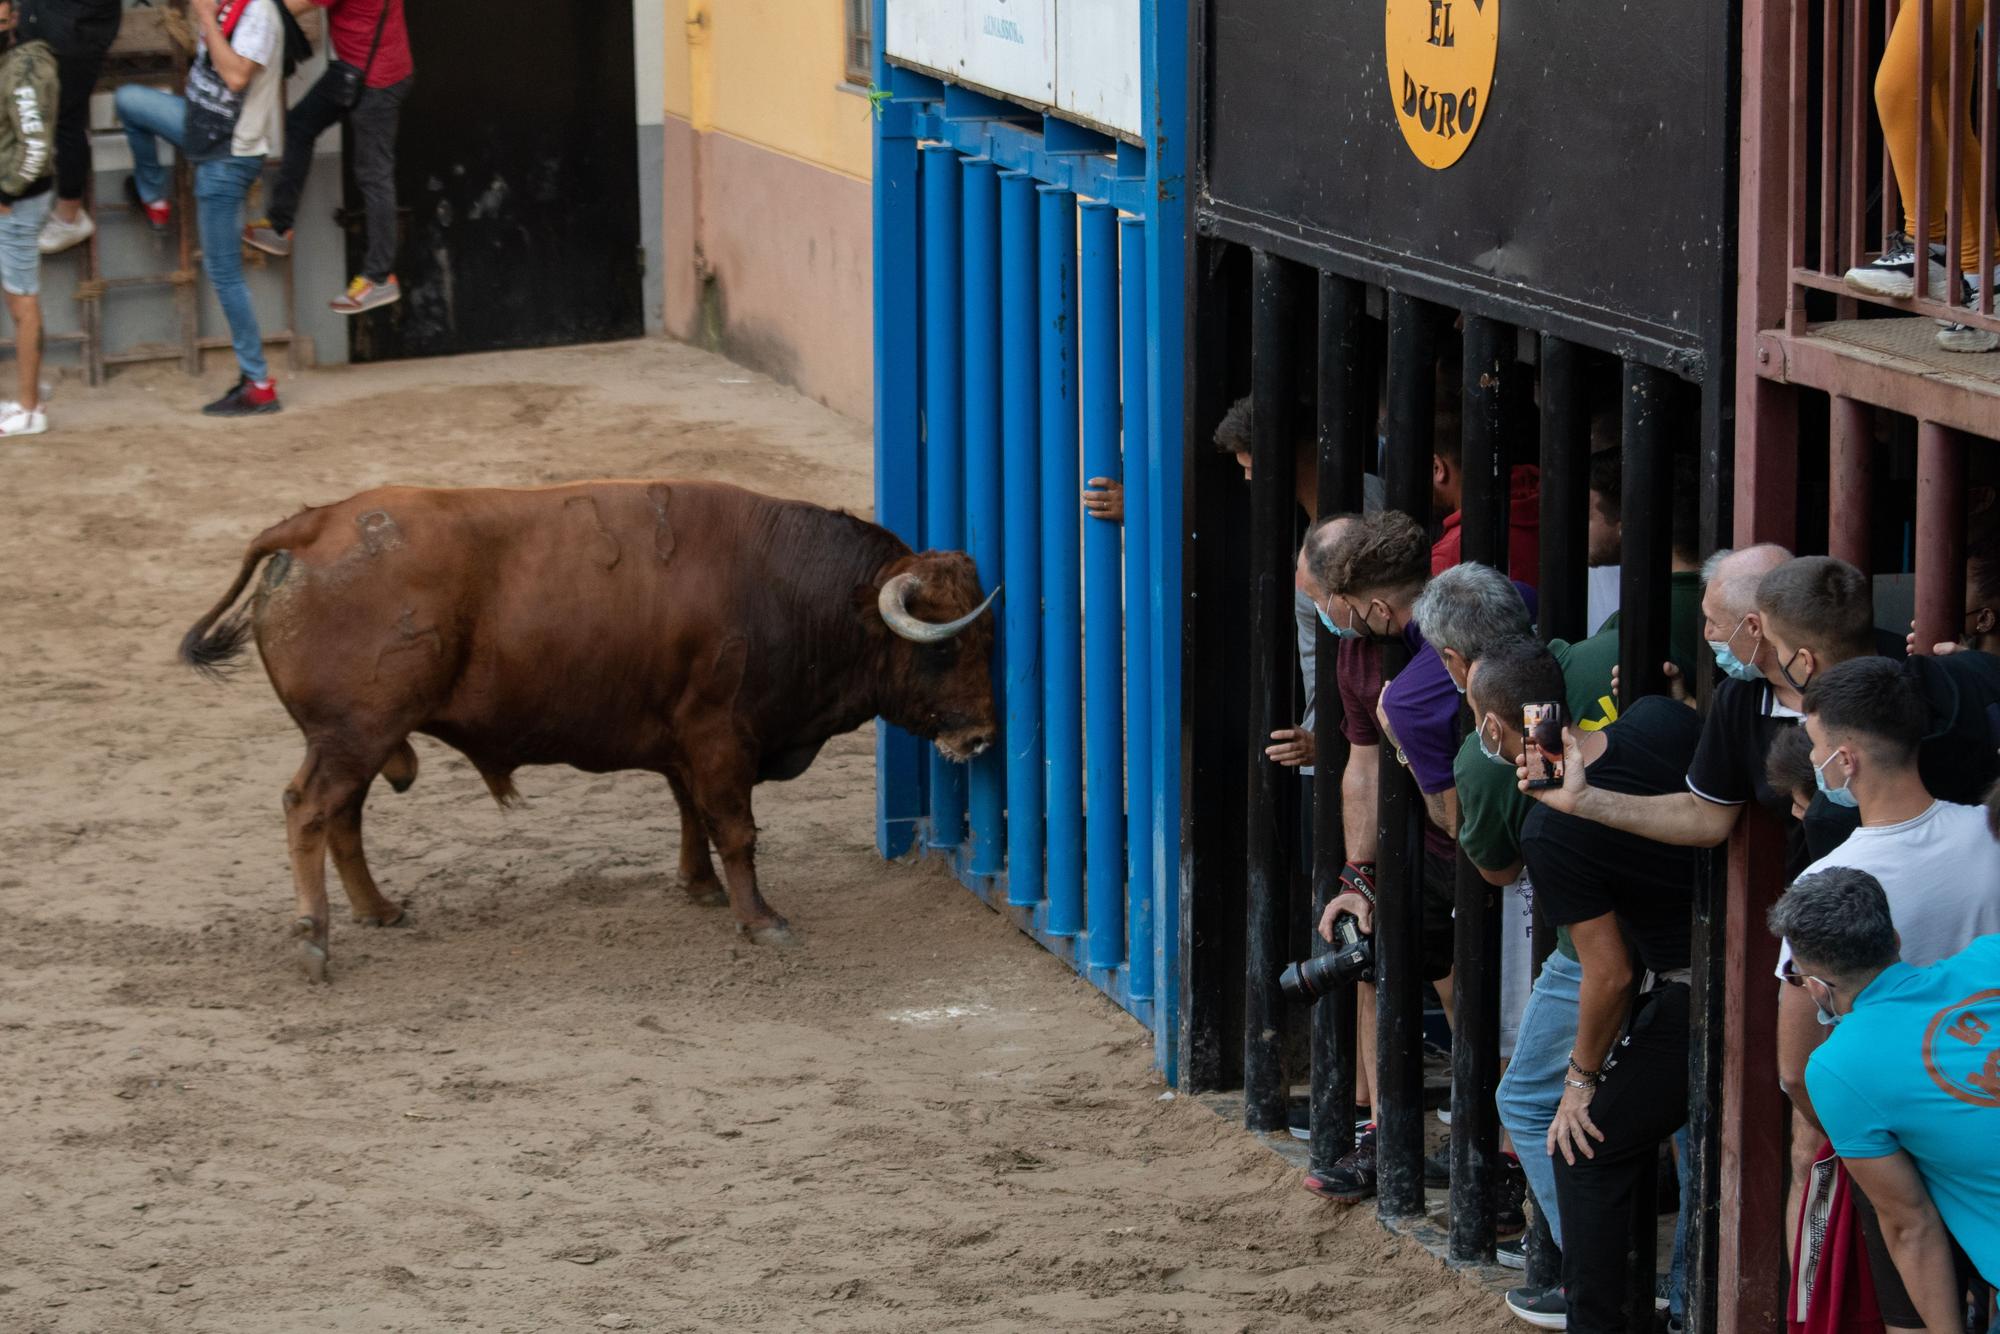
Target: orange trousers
[1898,100]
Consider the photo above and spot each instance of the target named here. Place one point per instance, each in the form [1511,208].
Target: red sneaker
[159,214]
[246,398]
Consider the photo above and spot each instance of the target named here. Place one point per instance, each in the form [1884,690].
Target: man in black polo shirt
[1621,896]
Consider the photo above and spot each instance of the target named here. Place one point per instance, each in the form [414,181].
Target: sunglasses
[1794,978]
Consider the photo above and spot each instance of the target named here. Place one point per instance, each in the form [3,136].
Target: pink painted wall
[768,262]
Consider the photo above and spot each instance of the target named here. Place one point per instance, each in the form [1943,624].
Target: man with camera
[1363,573]
[1621,896]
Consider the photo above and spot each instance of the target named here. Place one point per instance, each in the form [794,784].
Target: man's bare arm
[1358,785]
[1914,1234]
[1442,807]
[1678,818]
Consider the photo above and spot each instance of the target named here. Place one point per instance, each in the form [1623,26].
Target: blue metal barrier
[1028,337]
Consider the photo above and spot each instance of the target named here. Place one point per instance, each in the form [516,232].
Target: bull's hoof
[775,934]
[401,785]
[706,894]
[394,917]
[312,953]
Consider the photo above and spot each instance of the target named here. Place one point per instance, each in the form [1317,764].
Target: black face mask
[1785,670]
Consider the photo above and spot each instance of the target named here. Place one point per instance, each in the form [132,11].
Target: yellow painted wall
[766,72]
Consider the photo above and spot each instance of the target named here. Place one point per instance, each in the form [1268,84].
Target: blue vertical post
[1020,434]
[899,769]
[1103,702]
[987,780]
[1138,618]
[1062,515]
[1163,99]
[943,434]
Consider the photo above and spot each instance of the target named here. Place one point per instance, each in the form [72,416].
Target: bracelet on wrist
[1597,1074]
[1580,1084]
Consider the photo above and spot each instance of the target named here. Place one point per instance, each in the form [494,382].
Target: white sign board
[1097,63]
[1075,57]
[1002,46]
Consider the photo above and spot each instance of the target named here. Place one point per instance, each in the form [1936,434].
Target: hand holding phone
[1542,729]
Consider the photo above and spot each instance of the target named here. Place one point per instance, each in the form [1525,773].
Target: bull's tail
[216,641]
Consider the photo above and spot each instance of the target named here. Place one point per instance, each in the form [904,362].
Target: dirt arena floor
[563,1098]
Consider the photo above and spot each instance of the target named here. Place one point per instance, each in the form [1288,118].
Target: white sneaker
[1893,273]
[1965,337]
[17,420]
[58,236]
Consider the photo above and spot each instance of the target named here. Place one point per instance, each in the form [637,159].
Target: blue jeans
[1532,1087]
[220,187]
[1533,1084]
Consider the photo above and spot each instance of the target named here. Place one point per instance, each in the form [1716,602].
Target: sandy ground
[564,1098]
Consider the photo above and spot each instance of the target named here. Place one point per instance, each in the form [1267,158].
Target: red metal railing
[1838,78]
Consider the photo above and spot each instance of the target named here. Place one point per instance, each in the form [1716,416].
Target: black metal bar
[1646,555]
[1272,640]
[1483,503]
[1475,1048]
[1346,394]
[1565,460]
[1399,1046]
[1705,1026]
[1346,426]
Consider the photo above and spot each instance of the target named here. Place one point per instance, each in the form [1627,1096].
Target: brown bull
[699,631]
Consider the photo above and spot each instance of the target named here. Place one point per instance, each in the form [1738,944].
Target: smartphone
[1542,726]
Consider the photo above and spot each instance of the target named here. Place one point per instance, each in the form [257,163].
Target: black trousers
[374,120]
[1643,1100]
[77,74]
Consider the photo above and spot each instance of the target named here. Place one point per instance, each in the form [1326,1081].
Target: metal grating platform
[1895,364]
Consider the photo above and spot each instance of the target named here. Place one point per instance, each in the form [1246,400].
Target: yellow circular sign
[1441,57]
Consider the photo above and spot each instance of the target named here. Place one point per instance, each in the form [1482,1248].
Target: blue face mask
[1839,796]
[1332,629]
[1488,751]
[1726,659]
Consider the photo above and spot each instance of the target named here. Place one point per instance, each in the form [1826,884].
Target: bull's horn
[896,615]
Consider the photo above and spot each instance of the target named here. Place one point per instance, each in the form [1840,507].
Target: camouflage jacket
[28,123]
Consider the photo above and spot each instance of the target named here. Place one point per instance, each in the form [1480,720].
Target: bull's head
[940,682]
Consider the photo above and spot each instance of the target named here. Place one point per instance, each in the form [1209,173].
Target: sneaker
[1894,272]
[1352,1179]
[261,235]
[1965,337]
[1512,1253]
[364,295]
[17,420]
[1444,1114]
[1510,1204]
[159,215]
[246,399]
[1544,1308]
[1663,1288]
[58,236]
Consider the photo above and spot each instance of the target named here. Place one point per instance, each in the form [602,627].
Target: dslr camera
[1352,959]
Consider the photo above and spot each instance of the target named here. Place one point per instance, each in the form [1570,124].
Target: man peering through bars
[1364,574]
[1628,903]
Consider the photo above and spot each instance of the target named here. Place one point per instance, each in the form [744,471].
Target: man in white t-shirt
[1937,862]
[232,118]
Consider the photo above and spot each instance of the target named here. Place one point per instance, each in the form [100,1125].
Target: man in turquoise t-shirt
[1908,1084]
